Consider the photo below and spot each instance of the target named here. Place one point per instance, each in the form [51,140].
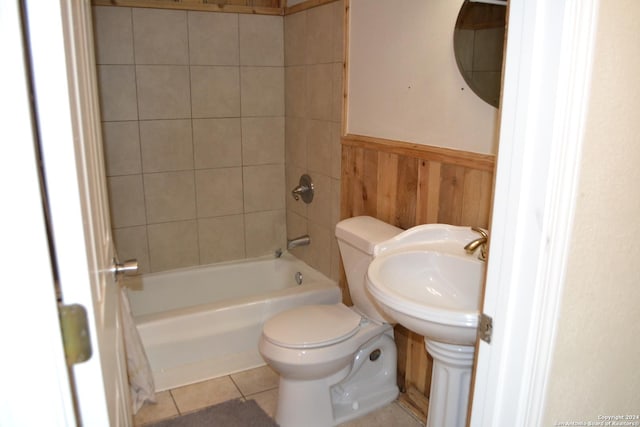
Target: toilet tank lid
[364,232]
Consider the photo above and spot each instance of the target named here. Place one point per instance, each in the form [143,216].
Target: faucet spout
[481,242]
[299,241]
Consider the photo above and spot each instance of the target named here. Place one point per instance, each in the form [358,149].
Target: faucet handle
[304,190]
[482,232]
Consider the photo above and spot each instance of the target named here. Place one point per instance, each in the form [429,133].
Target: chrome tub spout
[298,241]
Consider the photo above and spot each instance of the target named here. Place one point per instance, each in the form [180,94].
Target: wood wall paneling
[406,185]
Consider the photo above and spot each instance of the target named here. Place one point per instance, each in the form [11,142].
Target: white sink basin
[424,280]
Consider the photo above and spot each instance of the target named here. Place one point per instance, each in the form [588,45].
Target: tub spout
[298,241]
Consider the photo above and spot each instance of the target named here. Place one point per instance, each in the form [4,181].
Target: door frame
[544,103]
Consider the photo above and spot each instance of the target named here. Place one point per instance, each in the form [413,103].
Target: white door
[64,83]
[35,386]
[543,109]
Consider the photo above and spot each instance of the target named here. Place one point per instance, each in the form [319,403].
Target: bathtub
[204,322]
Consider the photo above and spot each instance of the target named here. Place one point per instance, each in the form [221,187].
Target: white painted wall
[596,369]
[404,82]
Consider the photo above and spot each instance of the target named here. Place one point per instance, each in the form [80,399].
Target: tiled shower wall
[193,112]
[193,107]
[313,79]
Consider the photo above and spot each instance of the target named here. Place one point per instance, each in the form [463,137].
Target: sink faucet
[480,242]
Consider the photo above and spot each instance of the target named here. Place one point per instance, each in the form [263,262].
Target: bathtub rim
[320,282]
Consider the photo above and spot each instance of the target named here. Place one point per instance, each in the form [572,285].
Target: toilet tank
[356,239]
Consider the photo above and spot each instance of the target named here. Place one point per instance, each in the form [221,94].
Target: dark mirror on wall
[478,42]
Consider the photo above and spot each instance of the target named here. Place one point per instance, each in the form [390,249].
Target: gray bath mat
[233,413]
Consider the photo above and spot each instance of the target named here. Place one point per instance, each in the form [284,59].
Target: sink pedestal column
[450,382]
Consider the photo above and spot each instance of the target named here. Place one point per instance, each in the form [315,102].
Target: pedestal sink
[424,279]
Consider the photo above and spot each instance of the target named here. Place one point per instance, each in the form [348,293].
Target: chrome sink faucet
[480,242]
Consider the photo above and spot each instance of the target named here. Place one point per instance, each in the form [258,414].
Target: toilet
[336,363]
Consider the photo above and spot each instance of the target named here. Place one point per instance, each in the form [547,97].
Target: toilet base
[366,384]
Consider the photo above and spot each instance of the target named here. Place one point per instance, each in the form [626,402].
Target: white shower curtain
[138,368]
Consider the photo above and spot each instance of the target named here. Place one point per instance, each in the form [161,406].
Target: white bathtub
[204,322]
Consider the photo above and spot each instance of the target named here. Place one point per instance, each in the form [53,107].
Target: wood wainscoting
[406,185]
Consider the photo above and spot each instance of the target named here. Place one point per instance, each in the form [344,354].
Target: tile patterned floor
[260,384]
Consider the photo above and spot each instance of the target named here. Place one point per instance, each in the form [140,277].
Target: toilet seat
[312,326]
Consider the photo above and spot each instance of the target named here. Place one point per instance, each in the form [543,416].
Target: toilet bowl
[336,363]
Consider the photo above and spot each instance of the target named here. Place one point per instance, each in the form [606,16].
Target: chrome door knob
[127,268]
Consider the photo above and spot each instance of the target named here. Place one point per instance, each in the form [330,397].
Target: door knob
[127,268]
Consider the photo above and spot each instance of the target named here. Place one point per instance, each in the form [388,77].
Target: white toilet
[336,363]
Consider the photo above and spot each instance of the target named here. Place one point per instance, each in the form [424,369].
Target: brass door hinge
[485,328]
[75,333]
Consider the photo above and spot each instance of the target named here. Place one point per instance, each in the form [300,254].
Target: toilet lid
[312,326]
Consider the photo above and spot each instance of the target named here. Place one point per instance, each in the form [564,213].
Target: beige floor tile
[200,395]
[267,400]
[255,380]
[164,408]
[390,415]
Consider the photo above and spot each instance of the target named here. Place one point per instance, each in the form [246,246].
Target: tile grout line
[237,388]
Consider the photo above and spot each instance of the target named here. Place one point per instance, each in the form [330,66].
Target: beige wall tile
[163,92]
[117,87]
[264,232]
[262,187]
[335,202]
[215,92]
[319,146]
[336,150]
[319,91]
[337,26]
[131,243]
[219,191]
[160,36]
[337,97]
[173,245]
[320,248]
[262,140]
[262,91]
[335,218]
[221,238]
[296,91]
[319,35]
[166,145]
[170,196]
[297,226]
[114,35]
[213,38]
[121,142]
[261,40]
[319,210]
[295,38]
[217,143]
[296,142]
[126,200]
[335,260]
[230,200]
